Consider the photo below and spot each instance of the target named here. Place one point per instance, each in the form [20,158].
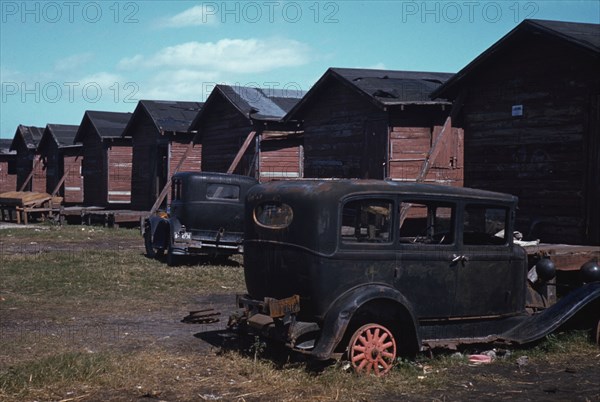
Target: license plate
[183,236]
[279,308]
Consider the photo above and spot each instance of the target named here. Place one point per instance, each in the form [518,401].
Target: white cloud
[205,14]
[73,62]
[103,79]
[226,55]
[179,84]
[377,66]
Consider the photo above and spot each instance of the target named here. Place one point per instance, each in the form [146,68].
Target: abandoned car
[372,269]
[205,218]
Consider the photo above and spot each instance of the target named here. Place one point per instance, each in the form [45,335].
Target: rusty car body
[374,269]
[205,217]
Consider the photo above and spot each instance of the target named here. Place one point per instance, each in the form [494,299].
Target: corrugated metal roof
[174,116]
[261,103]
[581,35]
[31,135]
[264,104]
[62,134]
[106,124]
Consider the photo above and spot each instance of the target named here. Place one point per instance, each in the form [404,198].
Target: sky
[61,58]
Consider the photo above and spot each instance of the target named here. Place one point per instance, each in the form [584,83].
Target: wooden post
[165,190]
[241,152]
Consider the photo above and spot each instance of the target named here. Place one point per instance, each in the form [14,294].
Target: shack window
[274,215]
[426,222]
[366,221]
[484,225]
[218,191]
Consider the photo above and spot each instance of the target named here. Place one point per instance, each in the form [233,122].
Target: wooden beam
[63,178]
[241,152]
[30,175]
[434,150]
[165,189]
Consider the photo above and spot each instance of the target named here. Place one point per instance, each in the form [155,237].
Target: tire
[372,350]
[172,259]
[150,253]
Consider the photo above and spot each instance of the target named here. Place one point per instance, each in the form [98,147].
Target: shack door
[120,162]
[38,181]
[73,185]
[280,159]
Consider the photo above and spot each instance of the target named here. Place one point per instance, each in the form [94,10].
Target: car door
[425,273]
[490,274]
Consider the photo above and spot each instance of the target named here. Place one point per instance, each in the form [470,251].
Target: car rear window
[217,191]
[273,215]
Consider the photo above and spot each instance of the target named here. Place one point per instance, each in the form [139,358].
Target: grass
[53,300]
[90,276]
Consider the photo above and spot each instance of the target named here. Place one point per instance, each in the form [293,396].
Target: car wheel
[372,350]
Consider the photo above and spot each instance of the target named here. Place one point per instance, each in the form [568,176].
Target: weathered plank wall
[93,171]
[144,186]
[223,131]
[548,157]
[334,134]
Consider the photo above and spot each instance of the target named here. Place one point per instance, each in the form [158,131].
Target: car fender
[553,317]
[340,314]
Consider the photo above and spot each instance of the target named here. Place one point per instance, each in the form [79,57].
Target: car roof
[342,188]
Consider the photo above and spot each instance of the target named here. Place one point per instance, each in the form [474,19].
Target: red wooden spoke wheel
[372,349]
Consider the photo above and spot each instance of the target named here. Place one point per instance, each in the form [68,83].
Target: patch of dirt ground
[134,328]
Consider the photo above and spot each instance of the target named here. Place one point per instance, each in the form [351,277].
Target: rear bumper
[276,319]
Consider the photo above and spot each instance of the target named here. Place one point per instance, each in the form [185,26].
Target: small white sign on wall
[517,110]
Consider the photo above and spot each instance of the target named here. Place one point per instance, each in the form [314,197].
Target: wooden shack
[8,167]
[29,168]
[61,158]
[107,159]
[530,108]
[160,141]
[247,123]
[379,124]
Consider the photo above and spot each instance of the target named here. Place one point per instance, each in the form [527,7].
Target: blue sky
[60,58]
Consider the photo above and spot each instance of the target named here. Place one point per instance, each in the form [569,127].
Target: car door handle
[457,258]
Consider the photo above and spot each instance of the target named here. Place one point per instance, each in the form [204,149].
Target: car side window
[366,221]
[484,225]
[426,222]
[176,190]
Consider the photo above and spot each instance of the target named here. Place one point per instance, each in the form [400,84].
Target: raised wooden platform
[566,257]
[23,205]
[106,217]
